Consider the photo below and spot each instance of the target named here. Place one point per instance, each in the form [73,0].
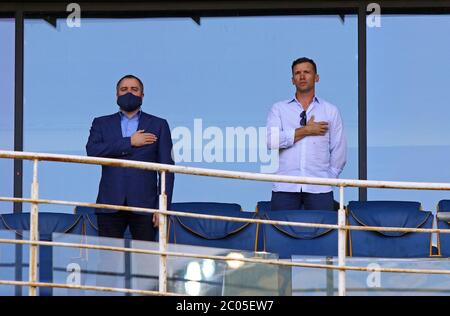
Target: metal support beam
[175,7]
[105,9]
[18,107]
[362,100]
[18,134]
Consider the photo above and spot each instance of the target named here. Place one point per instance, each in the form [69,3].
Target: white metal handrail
[216,257]
[229,218]
[224,173]
[163,168]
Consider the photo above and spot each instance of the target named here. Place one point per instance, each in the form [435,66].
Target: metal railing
[341,226]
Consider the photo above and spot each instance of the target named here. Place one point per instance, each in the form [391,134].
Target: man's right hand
[316,128]
[139,138]
[311,129]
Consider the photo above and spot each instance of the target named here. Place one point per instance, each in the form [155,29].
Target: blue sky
[229,71]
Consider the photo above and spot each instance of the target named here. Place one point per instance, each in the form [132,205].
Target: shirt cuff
[290,137]
[334,173]
[126,147]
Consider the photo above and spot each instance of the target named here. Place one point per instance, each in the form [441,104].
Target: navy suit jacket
[136,187]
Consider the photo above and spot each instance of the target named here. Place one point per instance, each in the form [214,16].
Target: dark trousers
[114,225]
[302,201]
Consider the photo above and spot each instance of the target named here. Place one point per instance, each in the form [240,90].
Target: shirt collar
[137,115]
[315,99]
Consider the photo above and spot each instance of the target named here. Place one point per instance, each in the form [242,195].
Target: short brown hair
[304,60]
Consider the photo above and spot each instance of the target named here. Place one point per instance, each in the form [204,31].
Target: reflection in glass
[187,276]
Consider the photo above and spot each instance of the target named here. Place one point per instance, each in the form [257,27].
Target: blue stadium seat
[90,221]
[266,206]
[389,244]
[295,240]
[212,233]
[49,223]
[263,206]
[443,222]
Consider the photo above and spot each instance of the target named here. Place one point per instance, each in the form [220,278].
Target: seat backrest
[205,207]
[48,223]
[389,244]
[263,206]
[210,232]
[443,222]
[443,206]
[377,205]
[288,240]
[90,221]
[83,210]
[388,213]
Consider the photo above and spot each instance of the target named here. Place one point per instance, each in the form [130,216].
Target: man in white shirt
[309,134]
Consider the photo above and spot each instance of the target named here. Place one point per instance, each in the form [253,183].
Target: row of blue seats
[288,240]
[281,239]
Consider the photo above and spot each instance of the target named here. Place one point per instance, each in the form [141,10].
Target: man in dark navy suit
[133,135]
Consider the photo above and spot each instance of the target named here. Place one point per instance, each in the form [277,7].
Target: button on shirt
[312,156]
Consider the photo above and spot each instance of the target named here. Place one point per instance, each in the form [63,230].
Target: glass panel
[224,73]
[407,105]
[307,281]
[7,51]
[9,265]
[187,276]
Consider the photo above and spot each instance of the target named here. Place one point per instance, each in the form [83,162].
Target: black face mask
[129,102]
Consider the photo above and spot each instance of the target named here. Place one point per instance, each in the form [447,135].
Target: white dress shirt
[312,156]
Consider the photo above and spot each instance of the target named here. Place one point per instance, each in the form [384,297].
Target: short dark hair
[130,77]
[304,60]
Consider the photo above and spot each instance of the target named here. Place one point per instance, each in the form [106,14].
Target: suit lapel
[117,126]
[144,122]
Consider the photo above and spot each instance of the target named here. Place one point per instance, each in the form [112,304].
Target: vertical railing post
[342,240]
[163,235]
[34,230]
[330,277]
